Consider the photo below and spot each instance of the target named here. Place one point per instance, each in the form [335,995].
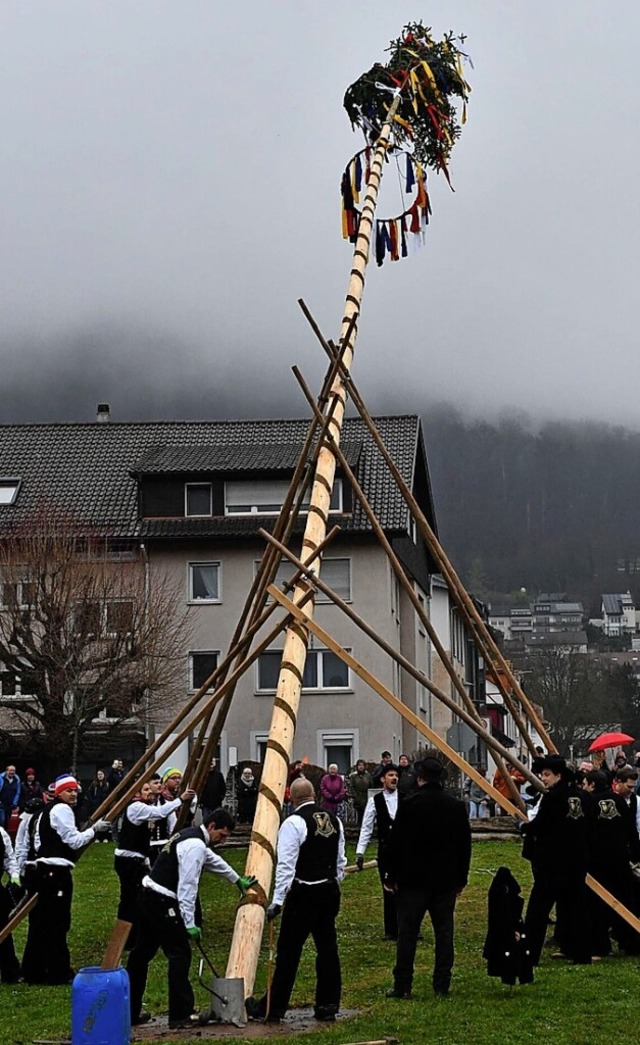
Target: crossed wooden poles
[315,469]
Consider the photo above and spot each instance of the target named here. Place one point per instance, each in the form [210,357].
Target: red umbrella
[610,740]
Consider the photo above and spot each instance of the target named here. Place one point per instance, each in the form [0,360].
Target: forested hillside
[553,508]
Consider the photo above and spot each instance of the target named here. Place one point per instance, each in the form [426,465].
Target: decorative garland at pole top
[427,75]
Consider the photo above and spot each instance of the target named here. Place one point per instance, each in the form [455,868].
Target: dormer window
[198,499]
[9,490]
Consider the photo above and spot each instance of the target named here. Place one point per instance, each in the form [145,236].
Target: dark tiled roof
[86,469]
[612,604]
[230,459]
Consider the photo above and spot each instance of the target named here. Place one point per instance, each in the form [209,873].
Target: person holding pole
[57,844]
[311,863]
[9,964]
[167,911]
[131,858]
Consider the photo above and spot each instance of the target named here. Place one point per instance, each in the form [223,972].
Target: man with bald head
[311,862]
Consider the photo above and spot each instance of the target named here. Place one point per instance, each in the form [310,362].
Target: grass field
[567,1005]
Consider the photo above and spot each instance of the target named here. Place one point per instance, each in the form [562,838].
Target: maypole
[404,106]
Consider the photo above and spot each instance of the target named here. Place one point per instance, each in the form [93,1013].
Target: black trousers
[573,927]
[130,872]
[605,923]
[9,964]
[46,956]
[309,910]
[160,925]
[412,906]
[389,905]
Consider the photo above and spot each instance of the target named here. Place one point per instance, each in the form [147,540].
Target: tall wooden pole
[245,946]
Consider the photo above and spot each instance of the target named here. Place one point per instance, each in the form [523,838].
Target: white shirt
[9,864]
[292,834]
[21,848]
[194,857]
[63,822]
[369,818]
[140,813]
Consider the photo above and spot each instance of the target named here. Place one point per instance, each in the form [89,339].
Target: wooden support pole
[478,728]
[437,740]
[409,716]
[401,575]
[478,627]
[245,946]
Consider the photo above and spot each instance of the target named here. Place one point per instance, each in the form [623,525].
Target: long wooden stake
[245,946]
[478,627]
[378,687]
[401,575]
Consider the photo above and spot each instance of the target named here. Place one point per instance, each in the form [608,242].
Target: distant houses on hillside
[550,621]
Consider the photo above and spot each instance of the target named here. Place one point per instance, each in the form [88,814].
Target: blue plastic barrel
[100,1010]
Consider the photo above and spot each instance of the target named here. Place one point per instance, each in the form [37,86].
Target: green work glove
[195,932]
[16,881]
[245,882]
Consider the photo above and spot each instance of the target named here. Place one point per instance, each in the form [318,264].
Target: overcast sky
[169,186]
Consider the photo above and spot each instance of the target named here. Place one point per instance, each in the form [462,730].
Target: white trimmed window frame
[321,687]
[326,738]
[199,653]
[204,600]
[343,587]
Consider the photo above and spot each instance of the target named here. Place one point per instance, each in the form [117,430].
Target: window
[119,617]
[334,572]
[266,496]
[258,742]
[18,594]
[16,684]
[201,665]
[322,670]
[94,620]
[197,499]
[204,582]
[9,490]
[339,746]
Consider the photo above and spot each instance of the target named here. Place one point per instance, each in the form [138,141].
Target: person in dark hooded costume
[506,947]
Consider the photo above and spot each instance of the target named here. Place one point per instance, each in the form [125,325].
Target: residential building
[618,615]
[189,498]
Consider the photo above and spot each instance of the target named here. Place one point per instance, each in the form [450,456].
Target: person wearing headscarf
[247,791]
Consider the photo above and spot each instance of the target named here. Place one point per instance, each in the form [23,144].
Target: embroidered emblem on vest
[607,809]
[575,809]
[324,826]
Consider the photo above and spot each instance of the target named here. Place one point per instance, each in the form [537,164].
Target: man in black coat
[556,844]
[428,860]
[214,790]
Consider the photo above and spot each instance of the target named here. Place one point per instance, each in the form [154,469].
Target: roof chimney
[103,413]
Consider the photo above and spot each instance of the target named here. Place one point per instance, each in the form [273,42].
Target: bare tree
[581,694]
[85,633]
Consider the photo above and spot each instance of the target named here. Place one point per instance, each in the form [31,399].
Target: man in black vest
[166,913]
[58,844]
[311,862]
[131,858]
[380,812]
[428,860]
[556,842]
